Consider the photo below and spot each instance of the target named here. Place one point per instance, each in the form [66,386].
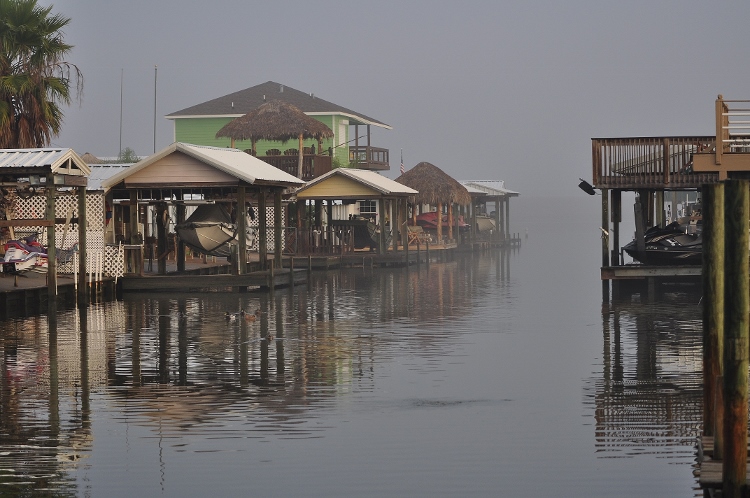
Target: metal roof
[101,172]
[57,160]
[376,181]
[490,187]
[234,162]
[240,103]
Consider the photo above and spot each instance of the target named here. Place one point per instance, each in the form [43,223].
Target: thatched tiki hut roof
[435,188]
[277,121]
[434,185]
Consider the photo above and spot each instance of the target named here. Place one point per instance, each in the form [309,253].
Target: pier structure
[662,171]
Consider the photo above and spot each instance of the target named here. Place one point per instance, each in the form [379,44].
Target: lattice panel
[270,238]
[66,236]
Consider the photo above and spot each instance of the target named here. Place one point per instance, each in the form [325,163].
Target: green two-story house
[350,144]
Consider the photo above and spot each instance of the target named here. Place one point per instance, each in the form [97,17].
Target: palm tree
[35,79]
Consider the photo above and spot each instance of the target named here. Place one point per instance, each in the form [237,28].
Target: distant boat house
[356,198]
[352,130]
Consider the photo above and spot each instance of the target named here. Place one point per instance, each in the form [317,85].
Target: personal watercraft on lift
[669,245]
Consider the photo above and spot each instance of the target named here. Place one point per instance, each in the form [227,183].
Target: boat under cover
[210,230]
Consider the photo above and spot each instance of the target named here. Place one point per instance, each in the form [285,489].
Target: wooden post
[134,217]
[450,221]
[82,247]
[439,221]
[161,238]
[181,253]
[381,223]
[640,241]
[507,215]
[499,220]
[605,241]
[719,150]
[737,307]
[241,230]
[277,228]
[262,230]
[713,298]
[51,250]
[394,223]
[616,215]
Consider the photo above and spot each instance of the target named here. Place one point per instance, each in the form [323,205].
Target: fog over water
[497,374]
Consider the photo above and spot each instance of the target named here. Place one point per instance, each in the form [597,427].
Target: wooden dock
[259,279]
[709,471]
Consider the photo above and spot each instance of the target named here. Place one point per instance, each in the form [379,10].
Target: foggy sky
[484,90]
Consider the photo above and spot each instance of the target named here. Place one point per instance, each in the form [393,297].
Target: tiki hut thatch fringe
[277,121]
[89,158]
[436,188]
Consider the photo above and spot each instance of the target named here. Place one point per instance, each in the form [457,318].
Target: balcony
[650,162]
[313,165]
[366,157]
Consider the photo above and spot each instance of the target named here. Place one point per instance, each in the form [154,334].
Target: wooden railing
[365,157]
[649,162]
[313,165]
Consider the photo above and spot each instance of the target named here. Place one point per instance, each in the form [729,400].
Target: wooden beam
[27,223]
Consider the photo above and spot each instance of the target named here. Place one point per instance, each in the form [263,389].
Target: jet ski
[26,255]
[669,245]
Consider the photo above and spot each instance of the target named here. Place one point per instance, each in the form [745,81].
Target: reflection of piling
[713,302]
[737,211]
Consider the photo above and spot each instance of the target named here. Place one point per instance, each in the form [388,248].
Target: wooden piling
[713,299]
[736,322]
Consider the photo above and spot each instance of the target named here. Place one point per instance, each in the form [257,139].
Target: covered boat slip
[46,171]
[659,168]
[185,174]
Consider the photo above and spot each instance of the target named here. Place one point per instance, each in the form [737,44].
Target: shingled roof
[239,103]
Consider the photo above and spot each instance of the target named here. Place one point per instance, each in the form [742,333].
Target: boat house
[183,175]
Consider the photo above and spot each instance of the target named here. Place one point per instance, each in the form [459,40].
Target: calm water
[500,374]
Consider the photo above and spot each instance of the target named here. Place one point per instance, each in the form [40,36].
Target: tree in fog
[35,78]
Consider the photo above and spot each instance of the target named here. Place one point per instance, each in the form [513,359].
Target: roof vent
[232,105]
[264,98]
[312,95]
[281,88]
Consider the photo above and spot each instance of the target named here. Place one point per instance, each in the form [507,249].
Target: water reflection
[195,365]
[649,397]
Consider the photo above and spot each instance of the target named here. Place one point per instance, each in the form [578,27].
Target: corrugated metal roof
[240,103]
[372,179]
[52,158]
[234,162]
[101,172]
[490,187]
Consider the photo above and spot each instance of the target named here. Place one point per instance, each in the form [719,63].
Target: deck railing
[313,165]
[649,162]
[366,157]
